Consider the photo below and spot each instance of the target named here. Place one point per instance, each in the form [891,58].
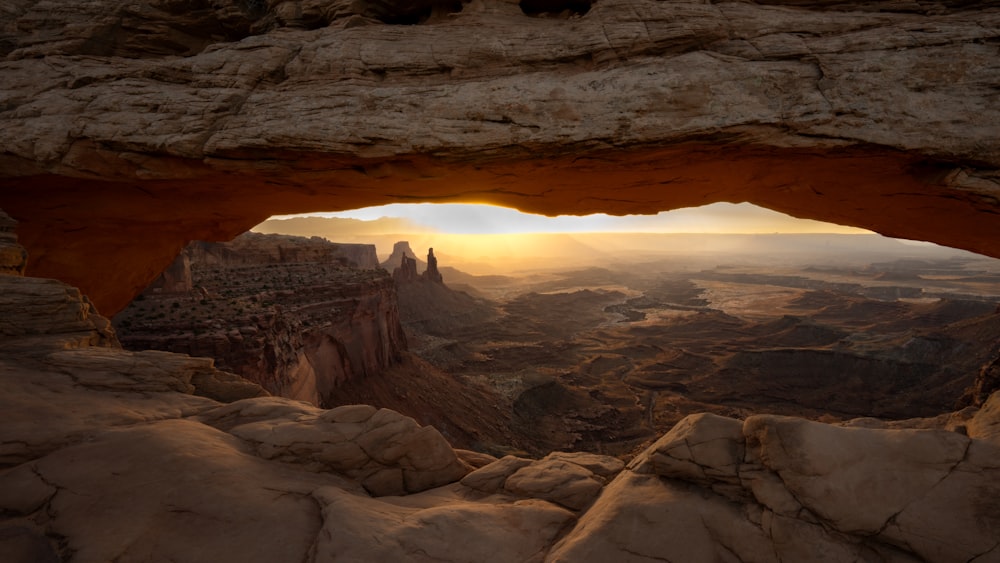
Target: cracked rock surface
[107,455]
[192,123]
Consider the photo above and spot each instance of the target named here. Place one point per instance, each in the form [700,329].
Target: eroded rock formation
[13,256]
[432,274]
[404,265]
[406,272]
[427,306]
[88,427]
[291,314]
[197,124]
[400,250]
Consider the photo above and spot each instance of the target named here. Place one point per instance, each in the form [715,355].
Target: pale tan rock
[699,447]
[46,408]
[390,453]
[854,104]
[459,531]
[473,459]
[702,448]
[856,479]
[985,425]
[182,491]
[603,465]
[224,386]
[107,451]
[797,540]
[640,518]
[50,313]
[387,481]
[24,491]
[491,478]
[956,519]
[769,490]
[349,413]
[561,482]
[226,417]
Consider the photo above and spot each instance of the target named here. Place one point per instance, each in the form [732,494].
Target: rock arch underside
[131,128]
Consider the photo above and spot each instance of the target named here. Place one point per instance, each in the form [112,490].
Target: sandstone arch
[116,151]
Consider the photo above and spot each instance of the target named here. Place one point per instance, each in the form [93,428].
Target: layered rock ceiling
[130,128]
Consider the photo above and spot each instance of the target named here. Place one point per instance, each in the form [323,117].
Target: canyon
[314,321]
[131,129]
[90,427]
[296,316]
[602,356]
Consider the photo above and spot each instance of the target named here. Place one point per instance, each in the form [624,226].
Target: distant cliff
[292,314]
[254,249]
[402,250]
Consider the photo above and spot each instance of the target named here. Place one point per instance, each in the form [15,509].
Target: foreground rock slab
[107,455]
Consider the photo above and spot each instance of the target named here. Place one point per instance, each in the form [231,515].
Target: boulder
[561,482]
[491,477]
[602,465]
[689,526]
[390,453]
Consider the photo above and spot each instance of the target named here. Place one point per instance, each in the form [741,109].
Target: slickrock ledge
[197,124]
[108,455]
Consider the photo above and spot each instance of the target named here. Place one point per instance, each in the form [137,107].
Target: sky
[458,218]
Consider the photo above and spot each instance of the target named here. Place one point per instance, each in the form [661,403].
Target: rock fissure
[644,556]
[995,548]
[892,519]
[611,505]
[118,150]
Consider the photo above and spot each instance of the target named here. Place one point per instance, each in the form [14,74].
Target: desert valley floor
[607,357]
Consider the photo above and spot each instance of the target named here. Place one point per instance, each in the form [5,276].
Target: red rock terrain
[605,360]
[131,128]
[880,115]
[294,315]
[89,427]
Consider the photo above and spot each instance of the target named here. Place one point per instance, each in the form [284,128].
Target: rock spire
[406,266]
[432,273]
[407,270]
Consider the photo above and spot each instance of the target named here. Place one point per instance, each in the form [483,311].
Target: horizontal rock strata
[870,114]
[291,314]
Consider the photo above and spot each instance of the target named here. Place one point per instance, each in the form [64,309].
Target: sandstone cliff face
[283,312]
[203,122]
[13,256]
[89,427]
[254,249]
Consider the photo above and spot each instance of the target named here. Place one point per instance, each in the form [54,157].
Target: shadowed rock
[13,256]
[110,455]
[197,124]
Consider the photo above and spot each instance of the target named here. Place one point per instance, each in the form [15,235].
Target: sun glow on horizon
[481,219]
